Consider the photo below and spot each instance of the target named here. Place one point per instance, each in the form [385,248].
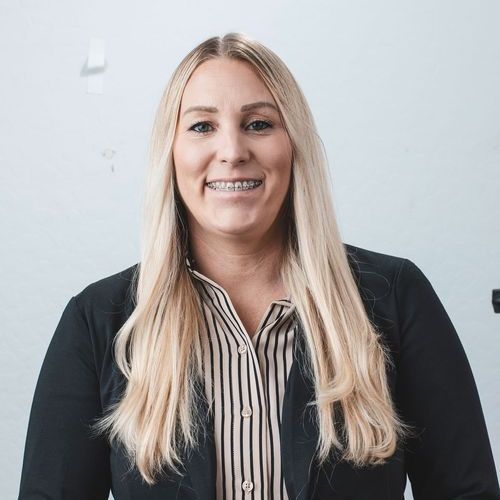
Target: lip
[236,179]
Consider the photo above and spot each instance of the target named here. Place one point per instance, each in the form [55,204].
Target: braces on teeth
[233,186]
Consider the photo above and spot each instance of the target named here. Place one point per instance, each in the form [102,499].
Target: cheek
[187,155]
[278,185]
[279,169]
[278,155]
[189,167]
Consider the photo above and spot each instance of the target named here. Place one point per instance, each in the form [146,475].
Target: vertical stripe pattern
[245,381]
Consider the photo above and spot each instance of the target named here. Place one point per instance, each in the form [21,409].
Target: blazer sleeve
[451,456]
[61,460]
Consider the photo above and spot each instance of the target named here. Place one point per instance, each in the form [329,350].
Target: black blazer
[432,385]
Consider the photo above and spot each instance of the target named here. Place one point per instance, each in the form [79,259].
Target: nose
[232,147]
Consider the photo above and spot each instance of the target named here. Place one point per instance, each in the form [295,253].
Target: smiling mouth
[234,186]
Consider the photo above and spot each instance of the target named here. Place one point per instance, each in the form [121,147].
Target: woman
[251,353]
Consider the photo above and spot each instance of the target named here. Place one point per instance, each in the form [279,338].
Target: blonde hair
[158,349]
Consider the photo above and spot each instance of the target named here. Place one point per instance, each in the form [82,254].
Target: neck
[230,262]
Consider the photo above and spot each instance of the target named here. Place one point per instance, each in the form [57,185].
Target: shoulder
[109,293]
[366,257]
[115,292]
[408,295]
[105,305]
[373,268]
[375,272]
[111,299]
[393,288]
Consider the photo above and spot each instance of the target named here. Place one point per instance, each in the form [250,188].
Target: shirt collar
[213,286]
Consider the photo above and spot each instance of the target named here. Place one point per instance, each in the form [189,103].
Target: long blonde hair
[158,349]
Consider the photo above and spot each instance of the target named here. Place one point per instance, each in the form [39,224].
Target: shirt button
[246,412]
[247,486]
[242,349]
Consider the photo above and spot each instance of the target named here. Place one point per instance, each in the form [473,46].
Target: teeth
[233,186]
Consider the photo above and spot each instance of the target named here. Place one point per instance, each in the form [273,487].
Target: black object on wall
[496,300]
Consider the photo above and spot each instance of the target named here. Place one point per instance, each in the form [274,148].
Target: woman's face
[231,138]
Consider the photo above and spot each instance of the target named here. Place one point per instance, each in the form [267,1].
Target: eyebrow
[245,107]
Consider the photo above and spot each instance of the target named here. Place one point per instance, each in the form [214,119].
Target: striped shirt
[245,380]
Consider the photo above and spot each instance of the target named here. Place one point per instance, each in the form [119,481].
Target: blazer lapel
[201,464]
[299,436]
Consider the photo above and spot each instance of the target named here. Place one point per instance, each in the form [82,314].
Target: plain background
[406,97]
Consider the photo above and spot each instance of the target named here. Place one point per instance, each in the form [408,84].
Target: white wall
[407,102]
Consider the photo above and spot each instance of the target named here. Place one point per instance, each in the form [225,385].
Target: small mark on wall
[109,154]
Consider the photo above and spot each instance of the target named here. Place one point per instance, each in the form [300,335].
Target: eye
[268,124]
[259,129]
[196,125]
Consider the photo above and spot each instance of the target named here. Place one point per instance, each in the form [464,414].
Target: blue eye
[266,123]
[196,124]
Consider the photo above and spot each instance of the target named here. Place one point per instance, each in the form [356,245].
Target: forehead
[224,82]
